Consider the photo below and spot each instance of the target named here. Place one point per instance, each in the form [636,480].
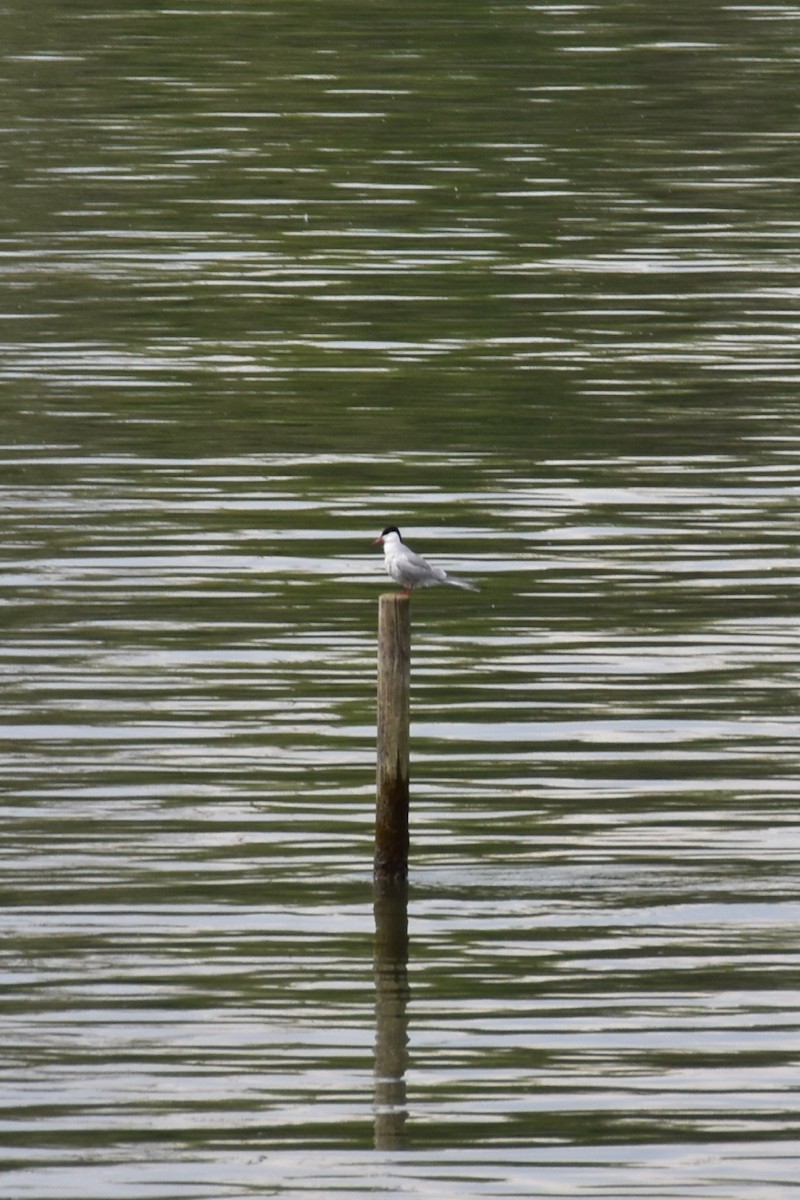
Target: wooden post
[394,681]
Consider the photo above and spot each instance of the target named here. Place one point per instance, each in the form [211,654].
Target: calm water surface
[524,282]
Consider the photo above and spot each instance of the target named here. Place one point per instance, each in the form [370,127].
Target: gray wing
[417,571]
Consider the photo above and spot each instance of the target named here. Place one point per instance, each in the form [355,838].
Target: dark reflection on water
[391,1014]
[522,281]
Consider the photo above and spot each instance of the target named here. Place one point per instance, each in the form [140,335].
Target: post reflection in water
[391,1013]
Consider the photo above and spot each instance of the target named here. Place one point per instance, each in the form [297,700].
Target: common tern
[411,570]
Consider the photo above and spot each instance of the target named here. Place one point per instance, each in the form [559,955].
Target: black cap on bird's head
[389,529]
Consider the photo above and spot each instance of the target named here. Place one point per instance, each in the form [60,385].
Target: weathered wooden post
[394,683]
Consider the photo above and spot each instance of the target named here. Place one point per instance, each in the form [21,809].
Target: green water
[520,279]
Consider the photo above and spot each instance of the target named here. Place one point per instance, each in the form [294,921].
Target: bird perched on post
[411,570]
